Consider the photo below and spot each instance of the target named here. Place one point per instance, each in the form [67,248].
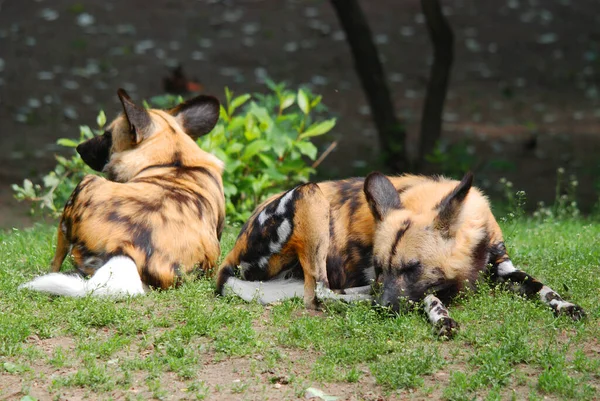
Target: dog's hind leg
[62,248]
[289,231]
[310,240]
[439,317]
[503,271]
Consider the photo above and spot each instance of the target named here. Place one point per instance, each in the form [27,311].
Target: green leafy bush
[265,146]
[265,141]
[58,184]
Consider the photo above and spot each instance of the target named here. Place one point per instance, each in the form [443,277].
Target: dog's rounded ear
[197,116]
[381,195]
[140,122]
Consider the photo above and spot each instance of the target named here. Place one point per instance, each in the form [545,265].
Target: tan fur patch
[162,205]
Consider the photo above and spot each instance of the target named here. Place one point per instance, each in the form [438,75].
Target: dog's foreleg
[503,271]
[439,317]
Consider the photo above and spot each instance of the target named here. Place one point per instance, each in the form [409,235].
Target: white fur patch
[505,268]
[281,288]
[556,304]
[281,208]
[433,315]
[266,292]
[283,233]
[285,199]
[263,216]
[263,262]
[244,266]
[118,278]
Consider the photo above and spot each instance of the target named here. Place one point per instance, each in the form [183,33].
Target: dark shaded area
[523,97]
[373,80]
[442,39]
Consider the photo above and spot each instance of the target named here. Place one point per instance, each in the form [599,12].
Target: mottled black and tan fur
[411,238]
[161,205]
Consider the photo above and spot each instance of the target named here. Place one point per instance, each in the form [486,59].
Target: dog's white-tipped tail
[58,284]
[118,277]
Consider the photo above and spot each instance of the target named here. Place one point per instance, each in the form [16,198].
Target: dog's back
[162,206]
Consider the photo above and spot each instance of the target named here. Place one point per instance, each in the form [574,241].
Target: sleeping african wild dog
[418,238]
[157,217]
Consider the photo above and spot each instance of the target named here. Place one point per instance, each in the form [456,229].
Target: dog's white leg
[439,317]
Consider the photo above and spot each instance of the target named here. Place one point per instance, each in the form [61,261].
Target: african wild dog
[157,217]
[418,238]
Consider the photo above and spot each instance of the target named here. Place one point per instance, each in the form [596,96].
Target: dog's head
[141,137]
[430,244]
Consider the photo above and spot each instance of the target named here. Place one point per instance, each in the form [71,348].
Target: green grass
[189,344]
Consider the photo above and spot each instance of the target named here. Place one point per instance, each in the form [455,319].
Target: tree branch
[442,39]
[372,78]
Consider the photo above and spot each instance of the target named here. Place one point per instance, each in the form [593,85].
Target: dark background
[524,96]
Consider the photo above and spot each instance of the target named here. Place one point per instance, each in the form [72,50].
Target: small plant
[565,199]
[264,145]
[57,185]
[515,201]
[265,141]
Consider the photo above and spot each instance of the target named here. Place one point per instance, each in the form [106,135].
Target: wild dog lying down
[420,239]
[158,216]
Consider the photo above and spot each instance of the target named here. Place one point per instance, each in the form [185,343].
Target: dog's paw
[446,327]
[573,311]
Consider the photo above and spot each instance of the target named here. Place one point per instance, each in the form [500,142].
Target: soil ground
[523,70]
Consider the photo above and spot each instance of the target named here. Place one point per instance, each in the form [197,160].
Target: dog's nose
[390,303]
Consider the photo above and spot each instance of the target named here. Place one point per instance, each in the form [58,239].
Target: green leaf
[61,160]
[229,189]
[233,165]
[270,84]
[223,113]
[235,147]
[275,174]
[308,149]
[236,123]
[101,119]
[267,160]
[315,102]
[287,101]
[262,115]
[237,102]
[303,102]
[280,145]
[252,134]
[28,398]
[318,129]
[51,180]
[28,188]
[254,148]
[291,166]
[85,132]
[220,154]
[228,95]
[67,143]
